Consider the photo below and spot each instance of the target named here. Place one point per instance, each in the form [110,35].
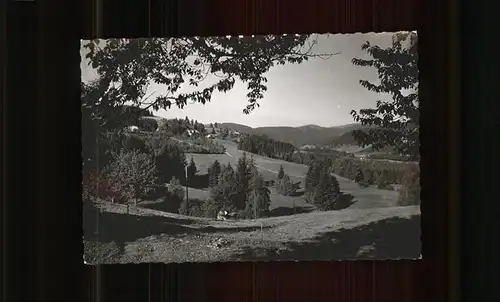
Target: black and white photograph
[251,148]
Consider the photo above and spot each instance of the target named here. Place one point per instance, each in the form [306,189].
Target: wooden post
[187,195]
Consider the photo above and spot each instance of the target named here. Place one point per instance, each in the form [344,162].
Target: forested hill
[298,136]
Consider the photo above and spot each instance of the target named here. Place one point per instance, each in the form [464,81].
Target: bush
[99,186]
[210,208]
[363,184]
[95,252]
[383,185]
[192,208]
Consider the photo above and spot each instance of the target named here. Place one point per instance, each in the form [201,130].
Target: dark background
[42,251]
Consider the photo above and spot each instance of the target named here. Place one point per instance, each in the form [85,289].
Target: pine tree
[191,171]
[259,201]
[214,174]
[327,193]
[285,186]
[226,189]
[227,175]
[243,176]
[281,172]
[211,180]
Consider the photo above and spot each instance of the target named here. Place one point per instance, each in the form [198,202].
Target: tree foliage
[127,66]
[170,160]
[214,174]
[243,178]
[281,172]
[409,194]
[395,122]
[263,145]
[258,203]
[327,192]
[285,186]
[133,173]
[191,171]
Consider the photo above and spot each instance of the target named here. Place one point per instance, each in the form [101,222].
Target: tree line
[265,146]
[128,167]
[181,126]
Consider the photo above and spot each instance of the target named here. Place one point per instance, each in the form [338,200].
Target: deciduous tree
[133,173]
[393,123]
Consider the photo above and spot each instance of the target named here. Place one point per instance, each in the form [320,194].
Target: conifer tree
[359,177]
[327,193]
[285,186]
[216,172]
[281,172]
[243,175]
[191,171]
[259,201]
[227,175]
[211,180]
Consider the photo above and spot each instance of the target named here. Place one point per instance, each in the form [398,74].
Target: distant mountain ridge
[298,136]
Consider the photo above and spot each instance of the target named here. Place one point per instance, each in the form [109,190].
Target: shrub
[192,208]
[384,185]
[95,252]
[363,184]
[99,186]
[211,207]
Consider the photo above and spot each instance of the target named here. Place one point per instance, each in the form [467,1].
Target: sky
[319,91]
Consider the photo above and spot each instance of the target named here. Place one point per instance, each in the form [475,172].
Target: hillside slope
[370,197]
[149,236]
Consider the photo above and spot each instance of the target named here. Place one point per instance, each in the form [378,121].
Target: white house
[191,132]
[133,128]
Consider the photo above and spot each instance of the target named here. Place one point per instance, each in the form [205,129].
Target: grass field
[146,235]
[370,197]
